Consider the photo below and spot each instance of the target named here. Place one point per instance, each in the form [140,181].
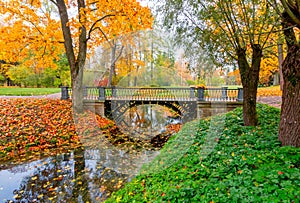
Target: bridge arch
[115,109]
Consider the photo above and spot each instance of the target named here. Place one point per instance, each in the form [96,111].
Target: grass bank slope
[220,160]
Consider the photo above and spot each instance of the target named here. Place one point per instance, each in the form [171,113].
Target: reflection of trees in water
[69,178]
[104,181]
[145,121]
[47,182]
[65,178]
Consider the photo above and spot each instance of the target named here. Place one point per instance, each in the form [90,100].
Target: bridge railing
[149,94]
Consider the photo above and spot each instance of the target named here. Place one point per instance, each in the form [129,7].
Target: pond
[86,174]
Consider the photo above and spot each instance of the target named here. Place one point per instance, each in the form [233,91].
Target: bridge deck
[159,94]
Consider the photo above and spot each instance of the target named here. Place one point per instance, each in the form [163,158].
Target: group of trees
[238,33]
[244,33]
[40,29]
[25,76]
[143,58]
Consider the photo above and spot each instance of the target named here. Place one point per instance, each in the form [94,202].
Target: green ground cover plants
[225,162]
[17,91]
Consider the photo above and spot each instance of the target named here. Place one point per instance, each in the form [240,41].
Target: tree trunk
[289,128]
[113,63]
[77,90]
[249,77]
[76,64]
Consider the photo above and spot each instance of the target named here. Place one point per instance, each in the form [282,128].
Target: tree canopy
[38,29]
[231,32]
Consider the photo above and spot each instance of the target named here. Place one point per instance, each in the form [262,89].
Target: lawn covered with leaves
[225,162]
[30,127]
[269,91]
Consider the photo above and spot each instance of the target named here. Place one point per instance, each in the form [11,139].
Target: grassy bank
[220,160]
[17,91]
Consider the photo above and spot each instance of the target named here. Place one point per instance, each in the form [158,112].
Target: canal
[90,174]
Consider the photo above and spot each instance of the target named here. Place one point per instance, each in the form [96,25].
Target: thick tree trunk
[249,77]
[289,128]
[77,90]
[76,64]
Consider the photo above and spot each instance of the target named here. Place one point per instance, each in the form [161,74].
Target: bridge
[188,103]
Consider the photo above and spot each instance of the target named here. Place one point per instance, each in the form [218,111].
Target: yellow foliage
[269,91]
[31,33]
[236,74]
[267,68]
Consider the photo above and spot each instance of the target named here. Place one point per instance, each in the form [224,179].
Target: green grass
[17,91]
[220,160]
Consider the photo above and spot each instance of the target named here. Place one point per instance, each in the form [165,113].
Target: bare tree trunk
[113,62]
[289,128]
[250,77]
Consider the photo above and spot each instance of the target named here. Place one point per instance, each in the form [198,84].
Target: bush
[244,164]
[2,79]
[26,77]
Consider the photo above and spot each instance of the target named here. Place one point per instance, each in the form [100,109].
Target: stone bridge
[188,103]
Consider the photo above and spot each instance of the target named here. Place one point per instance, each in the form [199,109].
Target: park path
[274,101]
[48,96]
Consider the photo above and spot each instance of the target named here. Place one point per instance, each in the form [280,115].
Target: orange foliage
[173,128]
[267,68]
[40,124]
[236,74]
[269,91]
[31,30]
[29,35]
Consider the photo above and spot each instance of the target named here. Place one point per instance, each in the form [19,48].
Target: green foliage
[26,77]
[48,77]
[20,75]
[244,164]
[191,82]
[217,81]
[219,28]
[2,79]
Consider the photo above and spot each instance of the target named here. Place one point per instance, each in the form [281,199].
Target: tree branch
[227,10]
[54,2]
[286,6]
[95,23]
[298,5]
[245,14]
[105,36]
[117,58]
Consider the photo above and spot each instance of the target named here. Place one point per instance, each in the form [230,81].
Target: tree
[137,58]
[199,63]
[231,31]
[83,24]
[269,66]
[289,126]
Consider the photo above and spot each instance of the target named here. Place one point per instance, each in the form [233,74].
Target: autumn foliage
[31,32]
[269,91]
[41,125]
